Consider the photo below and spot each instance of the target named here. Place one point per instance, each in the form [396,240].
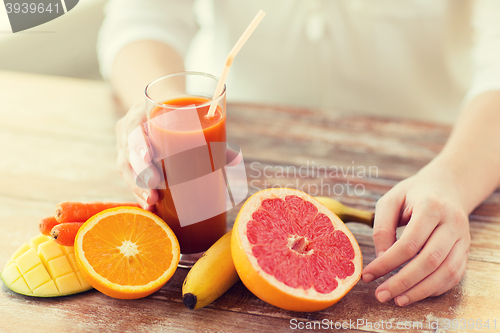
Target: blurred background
[64,46]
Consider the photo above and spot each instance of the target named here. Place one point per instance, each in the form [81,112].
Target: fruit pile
[287,248]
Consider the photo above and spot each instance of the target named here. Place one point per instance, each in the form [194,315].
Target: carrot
[46,225]
[65,233]
[72,211]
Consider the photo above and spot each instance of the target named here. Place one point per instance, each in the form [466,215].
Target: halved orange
[293,252]
[126,252]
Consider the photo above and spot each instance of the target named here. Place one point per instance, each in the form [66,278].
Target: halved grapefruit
[293,252]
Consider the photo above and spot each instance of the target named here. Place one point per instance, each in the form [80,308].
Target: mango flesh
[44,268]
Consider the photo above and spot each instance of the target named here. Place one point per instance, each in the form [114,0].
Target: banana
[211,276]
[347,214]
[214,273]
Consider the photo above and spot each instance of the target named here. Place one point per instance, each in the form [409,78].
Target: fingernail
[145,196]
[380,253]
[402,300]
[147,176]
[368,278]
[383,296]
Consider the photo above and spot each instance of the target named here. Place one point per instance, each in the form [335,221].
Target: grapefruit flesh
[294,253]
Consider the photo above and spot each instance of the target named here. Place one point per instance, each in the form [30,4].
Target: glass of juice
[189,153]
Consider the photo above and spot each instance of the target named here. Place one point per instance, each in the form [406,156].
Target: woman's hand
[435,242]
[134,153]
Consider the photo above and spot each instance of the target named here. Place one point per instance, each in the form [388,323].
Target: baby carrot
[46,225]
[65,233]
[72,211]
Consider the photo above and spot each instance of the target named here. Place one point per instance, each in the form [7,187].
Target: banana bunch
[214,273]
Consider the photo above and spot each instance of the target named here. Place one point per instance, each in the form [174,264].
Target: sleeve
[172,22]
[485,22]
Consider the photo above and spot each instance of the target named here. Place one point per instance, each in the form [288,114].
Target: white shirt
[412,58]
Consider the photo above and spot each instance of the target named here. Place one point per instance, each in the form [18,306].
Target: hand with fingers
[135,156]
[434,244]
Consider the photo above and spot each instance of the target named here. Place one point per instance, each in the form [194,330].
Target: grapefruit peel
[266,286]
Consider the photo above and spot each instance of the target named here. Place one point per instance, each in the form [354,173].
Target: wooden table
[57,143]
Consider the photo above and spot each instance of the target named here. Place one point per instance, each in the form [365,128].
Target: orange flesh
[128,251]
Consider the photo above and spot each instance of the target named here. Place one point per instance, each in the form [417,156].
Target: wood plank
[360,303]
[46,168]
[60,107]
[399,148]
[239,299]
[91,312]
[485,242]
[164,308]
[63,170]
[63,148]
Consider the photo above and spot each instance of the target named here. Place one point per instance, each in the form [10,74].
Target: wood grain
[58,144]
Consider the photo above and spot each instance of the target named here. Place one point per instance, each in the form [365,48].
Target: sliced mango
[44,268]
[48,288]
